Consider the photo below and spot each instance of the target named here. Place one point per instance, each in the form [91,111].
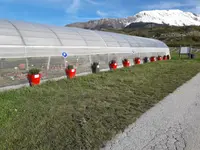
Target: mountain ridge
[161,17]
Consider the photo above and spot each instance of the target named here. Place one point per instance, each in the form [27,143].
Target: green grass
[85,112]
[175,56]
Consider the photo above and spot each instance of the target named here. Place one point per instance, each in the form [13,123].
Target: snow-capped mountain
[170,17]
[167,17]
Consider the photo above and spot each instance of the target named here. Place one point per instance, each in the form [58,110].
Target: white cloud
[195,10]
[93,2]
[187,5]
[111,14]
[168,5]
[101,13]
[73,19]
[196,7]
[73,8]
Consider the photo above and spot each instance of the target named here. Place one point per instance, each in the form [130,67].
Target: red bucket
[159,58]
[137,61]
[113,66]
[126,63]
[164,57]
[71,73]
[34,79]
[152,59]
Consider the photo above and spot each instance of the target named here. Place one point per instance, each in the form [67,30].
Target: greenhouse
[24,45]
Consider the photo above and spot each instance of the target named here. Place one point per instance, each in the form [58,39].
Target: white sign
[185,50]
[36,76]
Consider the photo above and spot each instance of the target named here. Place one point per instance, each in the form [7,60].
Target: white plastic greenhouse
[24,45]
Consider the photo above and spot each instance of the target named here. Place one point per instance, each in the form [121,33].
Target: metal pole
[27,66]
[65,62]
[48,64]
[90,59]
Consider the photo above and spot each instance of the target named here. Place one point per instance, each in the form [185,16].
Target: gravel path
[173,124]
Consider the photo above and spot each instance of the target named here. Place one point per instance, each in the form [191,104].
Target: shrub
[34,71]
[95,64]
[113,61]
[95,67]
[196,38]
[124,60]
[69,67]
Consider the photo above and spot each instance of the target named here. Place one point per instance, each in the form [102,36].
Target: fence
[176,49]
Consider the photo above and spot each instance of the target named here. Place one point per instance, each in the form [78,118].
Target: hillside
[171,35]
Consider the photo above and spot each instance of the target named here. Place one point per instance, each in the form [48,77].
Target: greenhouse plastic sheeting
[32,34]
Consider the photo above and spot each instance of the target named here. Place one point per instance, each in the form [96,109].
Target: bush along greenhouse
[31,52]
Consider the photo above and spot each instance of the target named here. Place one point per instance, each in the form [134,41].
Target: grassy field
[85,112]
[175,56]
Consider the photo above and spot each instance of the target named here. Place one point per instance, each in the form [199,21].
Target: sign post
[184,51]
[64,55]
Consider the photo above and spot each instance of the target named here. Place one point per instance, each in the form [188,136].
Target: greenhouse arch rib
[54,34]
[23,41]
[100,38]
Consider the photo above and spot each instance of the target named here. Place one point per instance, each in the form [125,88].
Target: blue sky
[61,12]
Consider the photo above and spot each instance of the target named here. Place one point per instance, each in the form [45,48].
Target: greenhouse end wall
[13,71]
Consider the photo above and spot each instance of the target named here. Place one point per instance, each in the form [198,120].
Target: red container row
[159,58]
[34,79]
